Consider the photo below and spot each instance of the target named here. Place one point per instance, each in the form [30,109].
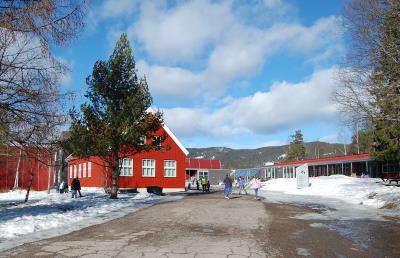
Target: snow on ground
[47,215]
[338,197]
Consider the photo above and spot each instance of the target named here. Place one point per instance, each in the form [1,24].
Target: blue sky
[239,74]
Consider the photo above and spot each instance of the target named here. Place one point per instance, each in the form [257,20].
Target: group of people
[254,184]
[205,184]
[75,187]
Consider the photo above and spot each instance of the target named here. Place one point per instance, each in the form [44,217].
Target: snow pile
[46,215]
[348,196]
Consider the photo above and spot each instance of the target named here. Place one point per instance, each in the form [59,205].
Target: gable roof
[170,133]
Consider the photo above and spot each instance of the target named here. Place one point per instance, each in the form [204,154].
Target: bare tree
[363,22]
[30,98]
[370,93]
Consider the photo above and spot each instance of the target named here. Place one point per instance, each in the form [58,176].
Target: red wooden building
[164,168]
[16,167]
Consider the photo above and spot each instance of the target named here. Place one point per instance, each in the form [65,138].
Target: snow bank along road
[208,226]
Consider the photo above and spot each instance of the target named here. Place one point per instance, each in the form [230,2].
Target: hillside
[247,158]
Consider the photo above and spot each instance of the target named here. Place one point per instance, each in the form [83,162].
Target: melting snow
[47,215]
[338,196]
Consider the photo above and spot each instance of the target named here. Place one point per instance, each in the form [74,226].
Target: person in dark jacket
[76,187]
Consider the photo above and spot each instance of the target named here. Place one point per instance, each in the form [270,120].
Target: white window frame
[126,167]
[203,173]
[80,170]
[84,169]
[75,170]
[157,139]
[89,169]
[142,140]
[148,168]
[169,168]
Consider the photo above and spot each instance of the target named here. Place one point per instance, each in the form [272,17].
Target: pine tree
[297,150]
[386,90]
[112,124]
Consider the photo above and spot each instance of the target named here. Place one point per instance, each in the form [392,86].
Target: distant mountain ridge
[248,158]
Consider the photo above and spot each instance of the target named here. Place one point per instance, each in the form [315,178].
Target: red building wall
[99,172]
[29,162]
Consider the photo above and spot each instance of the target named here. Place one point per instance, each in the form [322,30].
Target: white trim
[173,169]
[180,145]
[124,167]
[171,134]
[151,168]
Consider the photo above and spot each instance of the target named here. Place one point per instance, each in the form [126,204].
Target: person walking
[208,185]
[74,188]
[242,185]
[78,186]
[255,184]
[228,186]
[203,183]
[197,184]
[62,189]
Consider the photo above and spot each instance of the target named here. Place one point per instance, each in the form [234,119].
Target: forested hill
[247,158]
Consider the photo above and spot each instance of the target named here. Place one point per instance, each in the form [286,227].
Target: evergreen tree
[363,144]
[112,124]
[386,89]
[297,150]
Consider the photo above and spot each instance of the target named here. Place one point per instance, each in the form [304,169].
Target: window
[84,169]
[70,171]
[157,140]
[170,168]
[80,170]
[126,167]
[142,140]
[148,167]
[203,173]
[89,169]
[74,171]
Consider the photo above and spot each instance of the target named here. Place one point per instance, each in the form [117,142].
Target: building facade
[211,169]
[165,168]
[352,165]
[21,167]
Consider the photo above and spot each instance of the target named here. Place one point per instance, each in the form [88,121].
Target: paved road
[200,226]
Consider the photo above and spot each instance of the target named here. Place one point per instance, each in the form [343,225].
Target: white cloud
[284,106]
[170,82]
[240,54]
[112,8]
[181,33]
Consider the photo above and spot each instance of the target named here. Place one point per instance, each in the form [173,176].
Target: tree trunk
[114,178]
[29,187]
[16,184]
[49,175]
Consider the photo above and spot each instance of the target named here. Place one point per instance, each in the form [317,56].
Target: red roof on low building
[203,163]
[355,158]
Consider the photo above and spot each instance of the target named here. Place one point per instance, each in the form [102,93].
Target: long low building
[210,169]
[351,165]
